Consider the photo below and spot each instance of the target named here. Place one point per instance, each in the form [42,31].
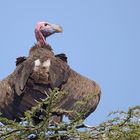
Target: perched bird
[41,71]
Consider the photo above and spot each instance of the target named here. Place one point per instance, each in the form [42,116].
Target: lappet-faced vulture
[41,71]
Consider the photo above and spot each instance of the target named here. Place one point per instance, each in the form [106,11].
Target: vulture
[41,71]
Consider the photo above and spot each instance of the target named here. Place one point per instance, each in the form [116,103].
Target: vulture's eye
[46,24]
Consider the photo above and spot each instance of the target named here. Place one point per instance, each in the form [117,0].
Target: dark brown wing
[83,95]
[58,73]
[23,72]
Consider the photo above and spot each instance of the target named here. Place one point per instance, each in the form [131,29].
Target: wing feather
[23,73]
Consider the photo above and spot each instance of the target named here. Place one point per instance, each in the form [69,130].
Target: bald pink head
[45,29]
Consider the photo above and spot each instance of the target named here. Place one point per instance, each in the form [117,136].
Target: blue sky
[101,39]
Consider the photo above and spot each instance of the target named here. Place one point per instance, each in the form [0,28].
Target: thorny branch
[123,125]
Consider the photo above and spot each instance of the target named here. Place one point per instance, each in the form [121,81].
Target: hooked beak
[57,28]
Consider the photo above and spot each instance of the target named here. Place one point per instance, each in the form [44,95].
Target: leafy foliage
[124,125]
